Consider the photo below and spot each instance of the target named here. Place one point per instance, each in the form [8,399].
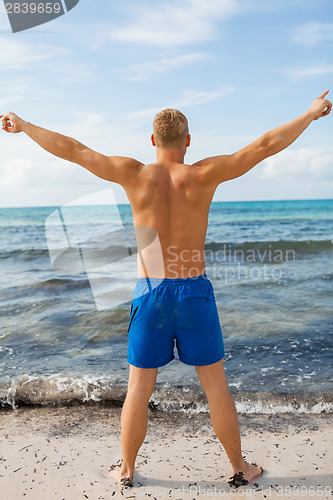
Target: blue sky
[100,73]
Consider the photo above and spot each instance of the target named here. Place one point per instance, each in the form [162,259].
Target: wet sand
[65,453]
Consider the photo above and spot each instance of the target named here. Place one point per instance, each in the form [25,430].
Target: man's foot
[249,472]
[121,475]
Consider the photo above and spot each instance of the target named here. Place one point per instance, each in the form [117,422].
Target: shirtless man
[174,198]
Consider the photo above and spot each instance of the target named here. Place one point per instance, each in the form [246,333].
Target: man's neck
[170,155]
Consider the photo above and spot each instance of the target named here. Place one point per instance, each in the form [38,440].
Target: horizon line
[128,204]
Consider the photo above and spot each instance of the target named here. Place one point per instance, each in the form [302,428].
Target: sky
[101,72]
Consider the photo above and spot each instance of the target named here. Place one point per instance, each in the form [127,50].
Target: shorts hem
[205,363]
[140,365]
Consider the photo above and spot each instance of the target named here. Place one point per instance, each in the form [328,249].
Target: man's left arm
[225,167]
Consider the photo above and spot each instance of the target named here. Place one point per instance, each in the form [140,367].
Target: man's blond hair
[170,129]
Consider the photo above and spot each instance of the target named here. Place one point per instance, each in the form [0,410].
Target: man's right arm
[117,169]
[222,168]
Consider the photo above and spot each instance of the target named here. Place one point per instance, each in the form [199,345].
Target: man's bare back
[171,198]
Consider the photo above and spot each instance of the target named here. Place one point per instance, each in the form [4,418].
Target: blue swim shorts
[169,311]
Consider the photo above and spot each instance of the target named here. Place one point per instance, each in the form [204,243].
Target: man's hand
[11,123]
[320,107]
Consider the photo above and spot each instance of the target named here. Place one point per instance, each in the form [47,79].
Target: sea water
[270,263]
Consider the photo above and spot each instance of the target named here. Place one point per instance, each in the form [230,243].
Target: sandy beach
[65,453]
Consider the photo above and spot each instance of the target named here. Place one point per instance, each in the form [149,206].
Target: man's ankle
[126,470]
[240,465]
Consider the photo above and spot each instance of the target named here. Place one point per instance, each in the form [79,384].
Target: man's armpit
[215,169]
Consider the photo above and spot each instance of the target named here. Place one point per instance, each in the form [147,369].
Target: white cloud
[15,171]
[303,164]
[17,55]
[143,71]
[169,23]
[312,71]
[40,59]
[196,97]
[17,91]
[189,98]
[33,168]
[313,34]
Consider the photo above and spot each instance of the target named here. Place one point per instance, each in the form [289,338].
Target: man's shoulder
[125,161]
[211,160]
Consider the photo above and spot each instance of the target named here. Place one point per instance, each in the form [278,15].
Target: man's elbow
[272,144]
[75,151]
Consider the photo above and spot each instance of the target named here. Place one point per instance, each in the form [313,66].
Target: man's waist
[157,280]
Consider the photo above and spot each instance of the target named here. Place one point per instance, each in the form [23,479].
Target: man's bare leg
[224,417]
[134,419]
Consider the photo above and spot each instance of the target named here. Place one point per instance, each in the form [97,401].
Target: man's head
[171,130]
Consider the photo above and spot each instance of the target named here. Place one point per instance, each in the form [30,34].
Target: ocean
[63,320]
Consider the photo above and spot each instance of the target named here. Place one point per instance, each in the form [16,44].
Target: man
[173,199]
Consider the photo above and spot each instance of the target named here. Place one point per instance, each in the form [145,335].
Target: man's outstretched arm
[111,168]
[222,168]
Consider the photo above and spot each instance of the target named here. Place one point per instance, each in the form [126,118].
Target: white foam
[54,388]
[63,388]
